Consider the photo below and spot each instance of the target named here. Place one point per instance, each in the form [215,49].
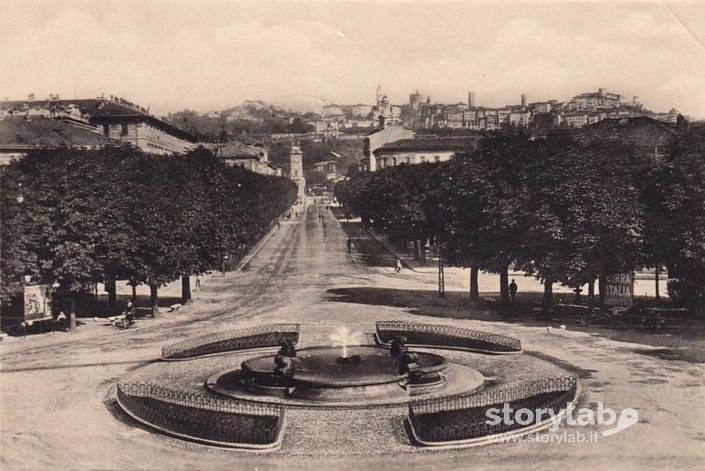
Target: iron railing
[501,394]
[447,335]
[242,339]
[465,416]
[202,417]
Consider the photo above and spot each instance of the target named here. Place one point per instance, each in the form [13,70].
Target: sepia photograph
[352,234]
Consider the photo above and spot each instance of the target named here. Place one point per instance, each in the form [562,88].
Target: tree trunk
[154,299]
[72,312]
[134,293]
[474,283]
[656,280]
[416,250]
[504,284]
[547,294]
[577,299]
[111,288]
[185,289]
[602,286]
[591,292]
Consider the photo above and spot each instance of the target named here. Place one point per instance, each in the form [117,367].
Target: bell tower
[296,168]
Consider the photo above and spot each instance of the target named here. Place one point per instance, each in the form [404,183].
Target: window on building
[394,161]
[437,158]
[422,159]
[408,160]
[123,129]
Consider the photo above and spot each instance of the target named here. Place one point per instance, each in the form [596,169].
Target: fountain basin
[319,375]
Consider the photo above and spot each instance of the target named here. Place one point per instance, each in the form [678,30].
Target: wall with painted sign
[620,289]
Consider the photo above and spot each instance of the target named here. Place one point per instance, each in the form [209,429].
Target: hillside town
[386,134]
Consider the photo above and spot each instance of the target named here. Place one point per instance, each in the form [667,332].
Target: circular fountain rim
[472,380]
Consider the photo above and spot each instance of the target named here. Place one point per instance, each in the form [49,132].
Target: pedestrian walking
[349,244]
[397,266]
[513,290]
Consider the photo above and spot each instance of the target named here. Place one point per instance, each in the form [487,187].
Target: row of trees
[562,209]
[97,216]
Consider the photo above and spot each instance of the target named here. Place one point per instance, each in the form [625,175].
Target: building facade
[113,117]
[422,150]
[376,140]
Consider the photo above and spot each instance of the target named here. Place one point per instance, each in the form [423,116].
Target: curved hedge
[447,336]
[461,419]
[244,339]
[204,419]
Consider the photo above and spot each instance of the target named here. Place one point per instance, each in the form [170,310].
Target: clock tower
[296,168]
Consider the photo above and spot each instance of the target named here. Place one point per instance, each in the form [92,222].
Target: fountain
[342,338]
[447,400]
[343,373]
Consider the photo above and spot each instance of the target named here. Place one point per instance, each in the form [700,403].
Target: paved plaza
[56,390]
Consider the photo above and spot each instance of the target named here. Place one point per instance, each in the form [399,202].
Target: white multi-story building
[422,150]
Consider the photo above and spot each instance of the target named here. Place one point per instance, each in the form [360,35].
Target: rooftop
[630,123]
[431,143]
[17,132]
[99,110]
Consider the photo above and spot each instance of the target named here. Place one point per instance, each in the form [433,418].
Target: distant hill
[252,117]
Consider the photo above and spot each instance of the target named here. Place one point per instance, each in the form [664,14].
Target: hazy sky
[208,55]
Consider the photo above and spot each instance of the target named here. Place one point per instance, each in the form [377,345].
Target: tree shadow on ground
[458,305]
[454,305]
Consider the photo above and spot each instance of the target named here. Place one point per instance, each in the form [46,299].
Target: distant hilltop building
[337,119]
[602,99]
[602,115]
[581,110]
[113,117]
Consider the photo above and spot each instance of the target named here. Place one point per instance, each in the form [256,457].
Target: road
[54,390]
